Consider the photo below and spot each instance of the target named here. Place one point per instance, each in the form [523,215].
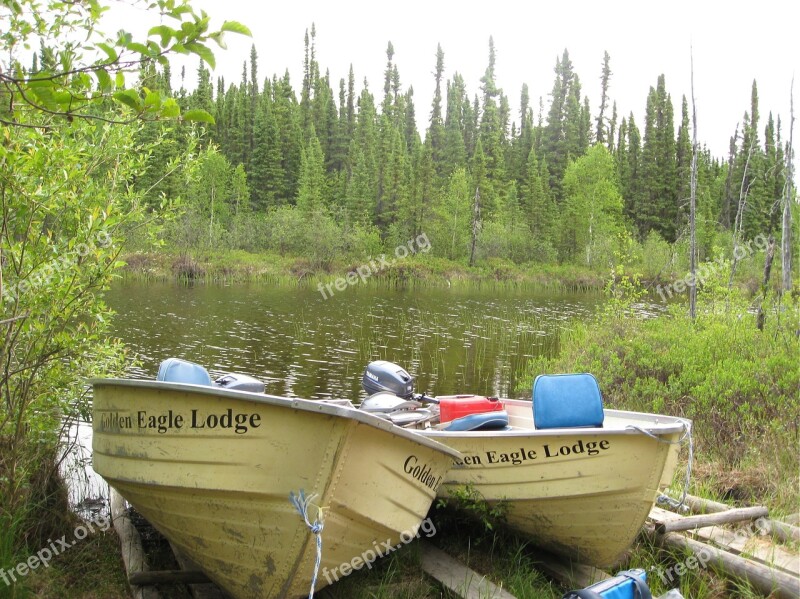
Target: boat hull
[583,492]
[212,470]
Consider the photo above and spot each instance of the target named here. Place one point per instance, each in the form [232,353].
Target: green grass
[420,271]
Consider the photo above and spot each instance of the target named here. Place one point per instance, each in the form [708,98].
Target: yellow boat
[580,492]
[577,479]
[213,469]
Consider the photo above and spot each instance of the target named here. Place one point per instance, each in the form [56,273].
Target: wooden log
[783,531]
[757,548]
[659,515]
[456,577]
[700,505]
[767,581]
[206,590]
[130,544]
[690,522]
[793,519]
[167,577]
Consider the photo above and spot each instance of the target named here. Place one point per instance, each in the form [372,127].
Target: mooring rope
[663,499]
[301,504]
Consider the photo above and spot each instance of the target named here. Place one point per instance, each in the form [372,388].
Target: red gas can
[456,406]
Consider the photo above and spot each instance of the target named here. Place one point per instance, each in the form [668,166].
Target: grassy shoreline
[237,266]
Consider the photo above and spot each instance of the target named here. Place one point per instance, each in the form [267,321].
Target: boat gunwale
[296,403]
[655,424]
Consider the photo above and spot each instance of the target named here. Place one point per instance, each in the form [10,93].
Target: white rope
[301,504]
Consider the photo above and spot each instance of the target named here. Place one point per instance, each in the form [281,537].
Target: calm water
[301,345]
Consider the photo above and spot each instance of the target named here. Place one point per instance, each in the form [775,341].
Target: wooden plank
[130,544]
[207,590]
[457,577]
[756,548]
[660,515]
[770,582]
[167,577]
[571,574]
[690,522]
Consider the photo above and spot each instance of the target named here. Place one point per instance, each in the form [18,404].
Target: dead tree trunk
[476,224]
[693,209]
[744,189]
[761,316]
[786,233]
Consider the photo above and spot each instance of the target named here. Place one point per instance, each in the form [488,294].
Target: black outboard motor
[382,376]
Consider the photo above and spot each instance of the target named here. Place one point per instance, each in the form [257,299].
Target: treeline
[321,172]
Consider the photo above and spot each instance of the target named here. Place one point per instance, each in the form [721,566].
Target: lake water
[302,345]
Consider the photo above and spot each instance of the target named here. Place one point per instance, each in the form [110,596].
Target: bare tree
[744,190]
[476,224]
[786,237]
[693,206]
[761,316]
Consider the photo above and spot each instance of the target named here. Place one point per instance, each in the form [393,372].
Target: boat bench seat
[480,422]
[567,401]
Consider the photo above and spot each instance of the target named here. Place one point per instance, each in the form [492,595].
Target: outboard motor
[175,370]
[240,382]
[382,376]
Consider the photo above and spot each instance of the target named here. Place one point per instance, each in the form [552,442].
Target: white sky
[733,43]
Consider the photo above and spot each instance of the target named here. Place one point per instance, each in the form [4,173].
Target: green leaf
[130,98]
[152,100]
[219,38]
[236,27]
[109,50]
[198,115]
[103,79]
[170,108]
[140,48]
[202,51]
[166,33]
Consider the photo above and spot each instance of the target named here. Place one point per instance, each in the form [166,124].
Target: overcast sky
[733,43]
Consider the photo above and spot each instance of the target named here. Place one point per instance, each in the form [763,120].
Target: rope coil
[302,503]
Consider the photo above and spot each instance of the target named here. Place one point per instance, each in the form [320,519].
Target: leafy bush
[738,384]
[67,203]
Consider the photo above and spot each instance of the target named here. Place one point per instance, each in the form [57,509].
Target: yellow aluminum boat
[212,469]
[581,492]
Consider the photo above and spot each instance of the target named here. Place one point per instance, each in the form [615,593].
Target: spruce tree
[454,153]
[683,162]
[311,189]
[605,78]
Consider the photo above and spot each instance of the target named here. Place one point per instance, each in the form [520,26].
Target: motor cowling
[382,376]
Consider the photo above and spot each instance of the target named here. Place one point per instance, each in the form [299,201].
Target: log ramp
[766,557]
[764,553]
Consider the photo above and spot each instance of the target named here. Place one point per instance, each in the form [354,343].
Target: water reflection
[302,345]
